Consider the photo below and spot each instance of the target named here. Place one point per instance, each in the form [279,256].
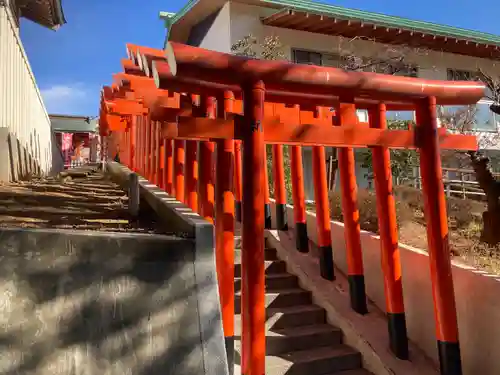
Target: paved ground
[78,201]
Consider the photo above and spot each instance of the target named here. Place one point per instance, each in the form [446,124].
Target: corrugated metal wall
[22,110]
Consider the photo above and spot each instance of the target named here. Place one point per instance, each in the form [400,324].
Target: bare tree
[270,48]
[463,121]
[393,60]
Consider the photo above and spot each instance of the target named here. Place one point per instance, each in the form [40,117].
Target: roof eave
[52,17]
[171,19]
[59,18]
[382,20]
[350,27]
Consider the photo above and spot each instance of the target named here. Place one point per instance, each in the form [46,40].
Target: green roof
[367,17]
[72,124]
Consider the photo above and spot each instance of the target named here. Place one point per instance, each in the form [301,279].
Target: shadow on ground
[87,203]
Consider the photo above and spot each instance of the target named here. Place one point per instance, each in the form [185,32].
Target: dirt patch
[464,222]
[84,201]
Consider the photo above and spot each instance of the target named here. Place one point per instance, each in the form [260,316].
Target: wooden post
[179,161]
[299,204]
[133,194]
[389,248]
[169,166]
[437,236]
[133,144]
[267,202]
[322,211]
[191,193]
[224,228]
[352,232]
[253,280]
[206,160]
[237,179]
[278,165]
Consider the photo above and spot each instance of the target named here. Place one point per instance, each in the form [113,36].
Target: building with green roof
[321,34]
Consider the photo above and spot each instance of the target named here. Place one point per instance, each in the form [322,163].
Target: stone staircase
[299,340]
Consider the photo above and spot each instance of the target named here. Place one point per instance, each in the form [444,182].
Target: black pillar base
[398,336]
[268,223]
[301,239]
[449,358]
[281,217]
[237,211]
[357,293]
[326,262]
[229,341]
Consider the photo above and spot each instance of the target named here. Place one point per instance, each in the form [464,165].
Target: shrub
[367,205]
[461,212]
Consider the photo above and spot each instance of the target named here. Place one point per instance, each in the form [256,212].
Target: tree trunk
[491,187]
[333,165]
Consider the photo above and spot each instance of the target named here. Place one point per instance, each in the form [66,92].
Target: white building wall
[217,31]
[245,19]
[26,137]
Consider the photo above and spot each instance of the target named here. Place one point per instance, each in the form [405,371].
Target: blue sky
[71,65]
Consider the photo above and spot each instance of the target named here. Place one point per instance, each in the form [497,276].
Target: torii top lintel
[200,64]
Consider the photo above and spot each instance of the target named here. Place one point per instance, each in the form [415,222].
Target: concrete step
[272,266]
[274,282]
[292,339]
[298,338]
[289,318]
[282,298]
[295,316]
[316,361]
[269,254]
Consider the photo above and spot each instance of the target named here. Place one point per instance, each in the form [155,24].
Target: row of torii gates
[195,122]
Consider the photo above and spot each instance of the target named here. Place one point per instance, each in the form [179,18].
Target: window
[484,120]
[336,61]
[332,60]
[316,58]
[466,75]
[460,75]
[344,62]
[306,57]
[401,115]
[404,70]
[395,69]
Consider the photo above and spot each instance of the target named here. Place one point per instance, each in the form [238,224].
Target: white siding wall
[22,111]
[217,38]
[245,19]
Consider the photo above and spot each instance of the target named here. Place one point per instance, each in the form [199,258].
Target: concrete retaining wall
[99,303]
[477,295]
[83,302]
[179,219]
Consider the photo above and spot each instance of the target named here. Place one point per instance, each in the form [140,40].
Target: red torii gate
[228,99]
